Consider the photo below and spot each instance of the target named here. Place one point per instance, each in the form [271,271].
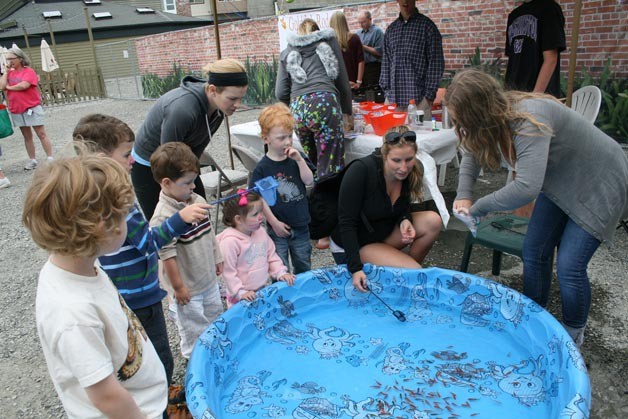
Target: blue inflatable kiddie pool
[468,347]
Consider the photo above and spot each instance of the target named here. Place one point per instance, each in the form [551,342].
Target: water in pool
[469,347]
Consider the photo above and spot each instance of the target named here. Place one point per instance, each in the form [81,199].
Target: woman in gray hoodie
[578,175]
[313,81]
[191,113]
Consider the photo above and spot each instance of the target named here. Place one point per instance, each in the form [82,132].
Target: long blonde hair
[338,23]
[484,115]
[415,178]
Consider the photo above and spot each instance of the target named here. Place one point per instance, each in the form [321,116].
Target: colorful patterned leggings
[319,128]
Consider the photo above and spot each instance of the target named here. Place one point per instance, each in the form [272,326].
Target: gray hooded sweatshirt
[313,63]
[182,114]
[578,167]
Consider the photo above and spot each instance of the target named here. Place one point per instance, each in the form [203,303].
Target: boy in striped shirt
[133,268]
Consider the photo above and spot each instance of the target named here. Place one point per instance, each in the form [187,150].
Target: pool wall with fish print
[320,349]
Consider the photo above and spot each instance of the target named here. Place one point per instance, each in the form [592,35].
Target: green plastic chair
[503,234]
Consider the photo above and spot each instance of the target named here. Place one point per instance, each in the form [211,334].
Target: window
[170,6]
[102,15]
[144,10]
[197,1]
[52,14]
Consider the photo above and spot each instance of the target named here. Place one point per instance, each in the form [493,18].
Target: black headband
[228,79]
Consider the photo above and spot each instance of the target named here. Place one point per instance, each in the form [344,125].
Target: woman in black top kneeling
[375,221]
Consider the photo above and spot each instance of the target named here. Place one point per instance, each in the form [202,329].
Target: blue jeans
[550,227]
[152,318]
[297,246]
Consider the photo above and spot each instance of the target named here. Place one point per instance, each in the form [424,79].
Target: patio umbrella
[3,58]
[48,62]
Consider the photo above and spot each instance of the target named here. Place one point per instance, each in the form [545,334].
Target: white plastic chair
[248,157]
[586,101]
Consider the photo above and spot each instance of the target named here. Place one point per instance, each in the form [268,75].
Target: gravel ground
[29,393]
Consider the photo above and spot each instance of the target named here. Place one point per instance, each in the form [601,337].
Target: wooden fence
[63,86]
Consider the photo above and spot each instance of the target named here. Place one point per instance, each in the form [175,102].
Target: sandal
[177,406]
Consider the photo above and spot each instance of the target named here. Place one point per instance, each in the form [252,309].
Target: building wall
[261,8]
[258,8]
[153,4]
[184,7]
[199,8]
[203,8]
[70,55]
[464,26]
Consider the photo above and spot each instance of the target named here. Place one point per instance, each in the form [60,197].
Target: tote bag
[6,128]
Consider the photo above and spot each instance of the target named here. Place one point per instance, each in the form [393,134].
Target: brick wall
[463,24]
[184,8]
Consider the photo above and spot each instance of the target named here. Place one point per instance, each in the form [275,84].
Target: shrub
[154,86]
[262,78]
[613,116]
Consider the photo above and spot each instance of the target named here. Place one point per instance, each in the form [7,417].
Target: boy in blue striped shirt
[133,268]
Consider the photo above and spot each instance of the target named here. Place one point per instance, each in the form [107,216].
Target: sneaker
[31,165]
[4,183]
[172,313]
[577,334]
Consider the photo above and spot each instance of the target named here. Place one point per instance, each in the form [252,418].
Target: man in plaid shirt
[413,60]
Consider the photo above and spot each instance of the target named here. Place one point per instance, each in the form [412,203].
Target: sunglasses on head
[394,137]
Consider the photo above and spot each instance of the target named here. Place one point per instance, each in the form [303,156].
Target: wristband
[359,81]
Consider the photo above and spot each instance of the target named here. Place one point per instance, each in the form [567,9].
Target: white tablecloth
[435,148]
[441,145]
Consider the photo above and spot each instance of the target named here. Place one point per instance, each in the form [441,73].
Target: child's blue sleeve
[150,239]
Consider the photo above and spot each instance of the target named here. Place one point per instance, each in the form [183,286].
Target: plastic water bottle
[412,116]
[359,124]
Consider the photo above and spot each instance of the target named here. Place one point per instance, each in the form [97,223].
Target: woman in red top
[21,84]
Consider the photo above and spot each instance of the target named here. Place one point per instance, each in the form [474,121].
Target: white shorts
[32,117]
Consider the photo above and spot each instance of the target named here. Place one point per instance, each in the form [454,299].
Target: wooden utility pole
[216,33]
[101,82]
[52,39]
[219,55]
[28,45]
[573,49]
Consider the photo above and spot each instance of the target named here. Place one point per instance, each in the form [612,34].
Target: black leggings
[147,189]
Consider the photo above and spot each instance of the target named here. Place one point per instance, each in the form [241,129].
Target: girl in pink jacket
[248,251]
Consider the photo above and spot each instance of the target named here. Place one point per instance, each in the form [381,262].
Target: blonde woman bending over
[191,114]
[578,175]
